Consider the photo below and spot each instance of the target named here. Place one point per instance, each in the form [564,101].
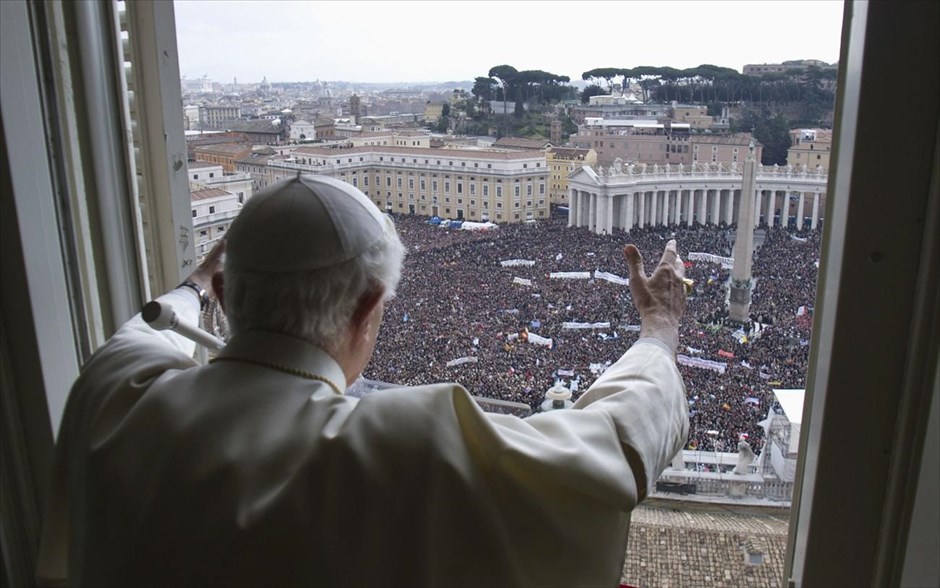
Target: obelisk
[744,243]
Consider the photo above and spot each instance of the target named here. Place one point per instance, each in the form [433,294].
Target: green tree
[773,131]
[506,75]
[484,89]
[603,73]
[592,90]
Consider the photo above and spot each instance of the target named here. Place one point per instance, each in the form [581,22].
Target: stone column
[592,213]
[799,212]
[757,203]
[785,210]
[729,210]
[702,202]
[653,208]
[771,200]
[609,225]
[642,219]
[628,224]
[677,211]
[665,214]
[815,211]
[572,208]
[716,207]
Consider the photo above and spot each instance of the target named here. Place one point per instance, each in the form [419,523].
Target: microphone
[161,317]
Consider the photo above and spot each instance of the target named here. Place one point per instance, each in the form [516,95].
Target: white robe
[234,473]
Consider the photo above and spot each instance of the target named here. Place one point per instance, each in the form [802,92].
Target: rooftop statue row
[619,169]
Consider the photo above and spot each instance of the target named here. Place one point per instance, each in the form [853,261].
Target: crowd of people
[458,304]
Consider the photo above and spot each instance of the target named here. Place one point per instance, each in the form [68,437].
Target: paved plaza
[702,547]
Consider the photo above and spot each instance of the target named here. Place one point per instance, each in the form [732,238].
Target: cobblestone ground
[671,548]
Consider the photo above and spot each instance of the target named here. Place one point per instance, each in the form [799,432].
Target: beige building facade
[654,143]
[475,185]
[809,149]
[562,162]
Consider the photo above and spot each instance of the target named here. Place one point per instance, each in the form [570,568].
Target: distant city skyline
[420,42]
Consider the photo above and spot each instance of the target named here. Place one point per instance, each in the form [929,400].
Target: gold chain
[282,368]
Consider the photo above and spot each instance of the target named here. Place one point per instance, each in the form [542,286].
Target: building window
[447,186]
[516,193]
[473,189]
[528,189]
[486,189]
[211,209]
[460,187]
[434,185]
[194,214]
[499,191]
[422,184]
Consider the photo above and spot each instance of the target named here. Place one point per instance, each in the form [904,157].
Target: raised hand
[661,298]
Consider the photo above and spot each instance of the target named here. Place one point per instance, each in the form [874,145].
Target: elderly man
[256,470]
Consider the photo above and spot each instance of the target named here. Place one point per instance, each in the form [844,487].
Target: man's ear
[365,307]
[218,287]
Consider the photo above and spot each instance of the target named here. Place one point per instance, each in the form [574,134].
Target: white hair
[313,305]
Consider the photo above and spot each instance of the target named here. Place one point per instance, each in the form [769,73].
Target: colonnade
[602,213]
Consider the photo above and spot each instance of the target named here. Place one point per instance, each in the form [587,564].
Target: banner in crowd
[800,239]
[614,279]
[723,353]
[522,281]
[632,328]
[598,368]
[698,362]
[725,262]
[567,373]
[573,325]
[515,262]
[693,350]
[461,361]
[571,275]
[751,400]
[536,339]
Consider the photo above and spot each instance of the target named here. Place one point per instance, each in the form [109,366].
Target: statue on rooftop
[745,455]
[734,167]
[618,166]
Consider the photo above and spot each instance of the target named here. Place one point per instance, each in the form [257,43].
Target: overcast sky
[440,41]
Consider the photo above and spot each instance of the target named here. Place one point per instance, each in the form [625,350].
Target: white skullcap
[306,223]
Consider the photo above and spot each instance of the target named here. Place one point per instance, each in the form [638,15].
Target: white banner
[571,275]
[632,328]
[800,239]
[515,262]
[461,361]
[568,373]
[573,325]
[615,279]
[725,262]
[522,281]
[698,362]
[540,340]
